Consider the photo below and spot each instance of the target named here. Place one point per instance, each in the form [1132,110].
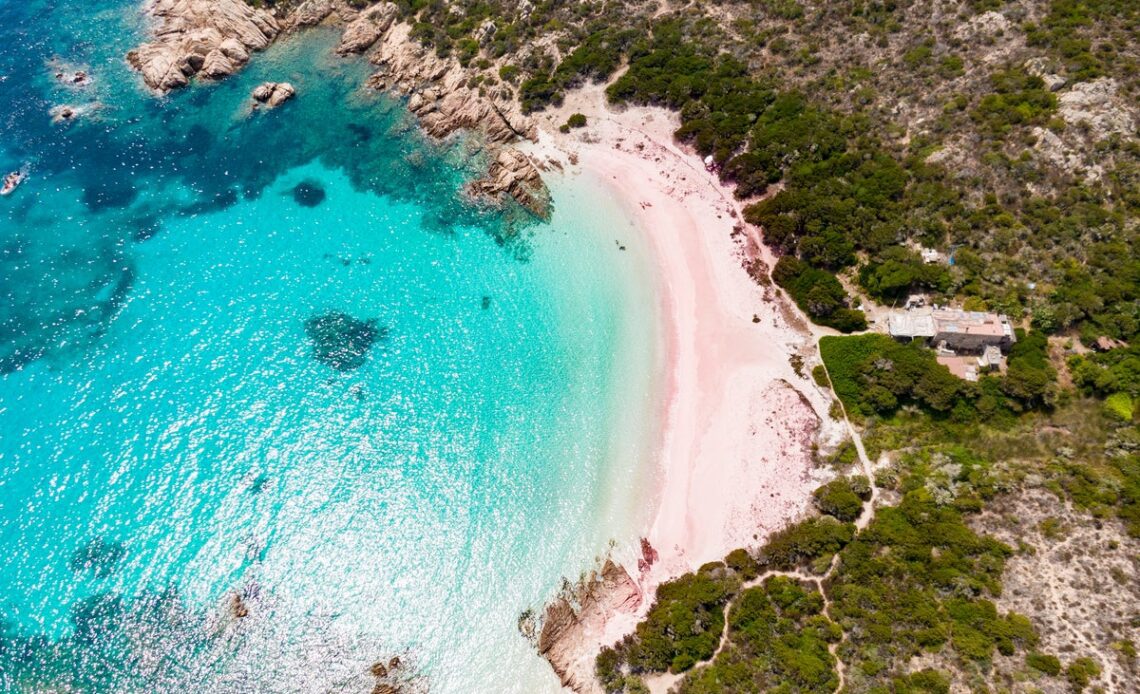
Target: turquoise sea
[175,446]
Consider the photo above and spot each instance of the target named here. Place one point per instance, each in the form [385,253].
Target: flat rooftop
[916,323]
[972,323]
[928,322]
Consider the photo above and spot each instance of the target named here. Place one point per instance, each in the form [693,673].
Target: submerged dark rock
[146,229]
[97,616]
[109,195]
[361,133]
[99,556]
[238,608]
[308,194]
[259,484]
[341,341]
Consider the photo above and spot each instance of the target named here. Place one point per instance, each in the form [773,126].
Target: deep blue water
[172,435]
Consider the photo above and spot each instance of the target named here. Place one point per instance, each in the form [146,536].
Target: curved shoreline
[739,423]
[735,455]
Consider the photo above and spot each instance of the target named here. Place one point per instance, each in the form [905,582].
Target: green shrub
[873,374]
[837,498]
[1018,99]
[897,272]
[818,294]
[819,375]
[1119,406]
[805,541]
[537,92]
[1080,672]
[777,641]
[1043,662]
[576,120]
[1029,377]
[509,73]
[607,668]
[684,624]
[923,682]
[740,561]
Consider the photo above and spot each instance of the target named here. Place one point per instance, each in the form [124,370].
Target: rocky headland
[211,39]
[583,615]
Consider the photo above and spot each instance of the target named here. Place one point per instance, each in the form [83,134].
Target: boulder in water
[238,607]
[513,174]
[273,94]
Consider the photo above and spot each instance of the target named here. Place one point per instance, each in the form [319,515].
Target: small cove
[169,439]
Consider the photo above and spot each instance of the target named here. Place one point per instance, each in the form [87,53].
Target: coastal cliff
[212,39]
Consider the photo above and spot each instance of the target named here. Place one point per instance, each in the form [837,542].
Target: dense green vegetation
[683,627]
[917,580]
[811,544]
[819,294]
[780,639]
[1116,371]
[1018,99]
[874,376]
[843,498]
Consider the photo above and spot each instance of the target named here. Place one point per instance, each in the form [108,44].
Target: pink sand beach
[740,425]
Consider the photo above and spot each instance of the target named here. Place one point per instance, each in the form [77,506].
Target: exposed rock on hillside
[439,92]
[439,95]
[210,38]
[307,14]
[214,38]
[1099,105]
[367,29]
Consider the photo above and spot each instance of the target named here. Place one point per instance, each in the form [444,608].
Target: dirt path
[660,684]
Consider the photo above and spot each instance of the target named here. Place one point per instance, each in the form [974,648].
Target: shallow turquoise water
[168,440]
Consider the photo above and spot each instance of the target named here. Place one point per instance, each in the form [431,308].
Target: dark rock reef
[341,341]
[98,556]
[308,194]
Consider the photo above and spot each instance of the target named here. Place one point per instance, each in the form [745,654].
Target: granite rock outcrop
[206,38]
[273,94]
[513,174]
[572,623]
